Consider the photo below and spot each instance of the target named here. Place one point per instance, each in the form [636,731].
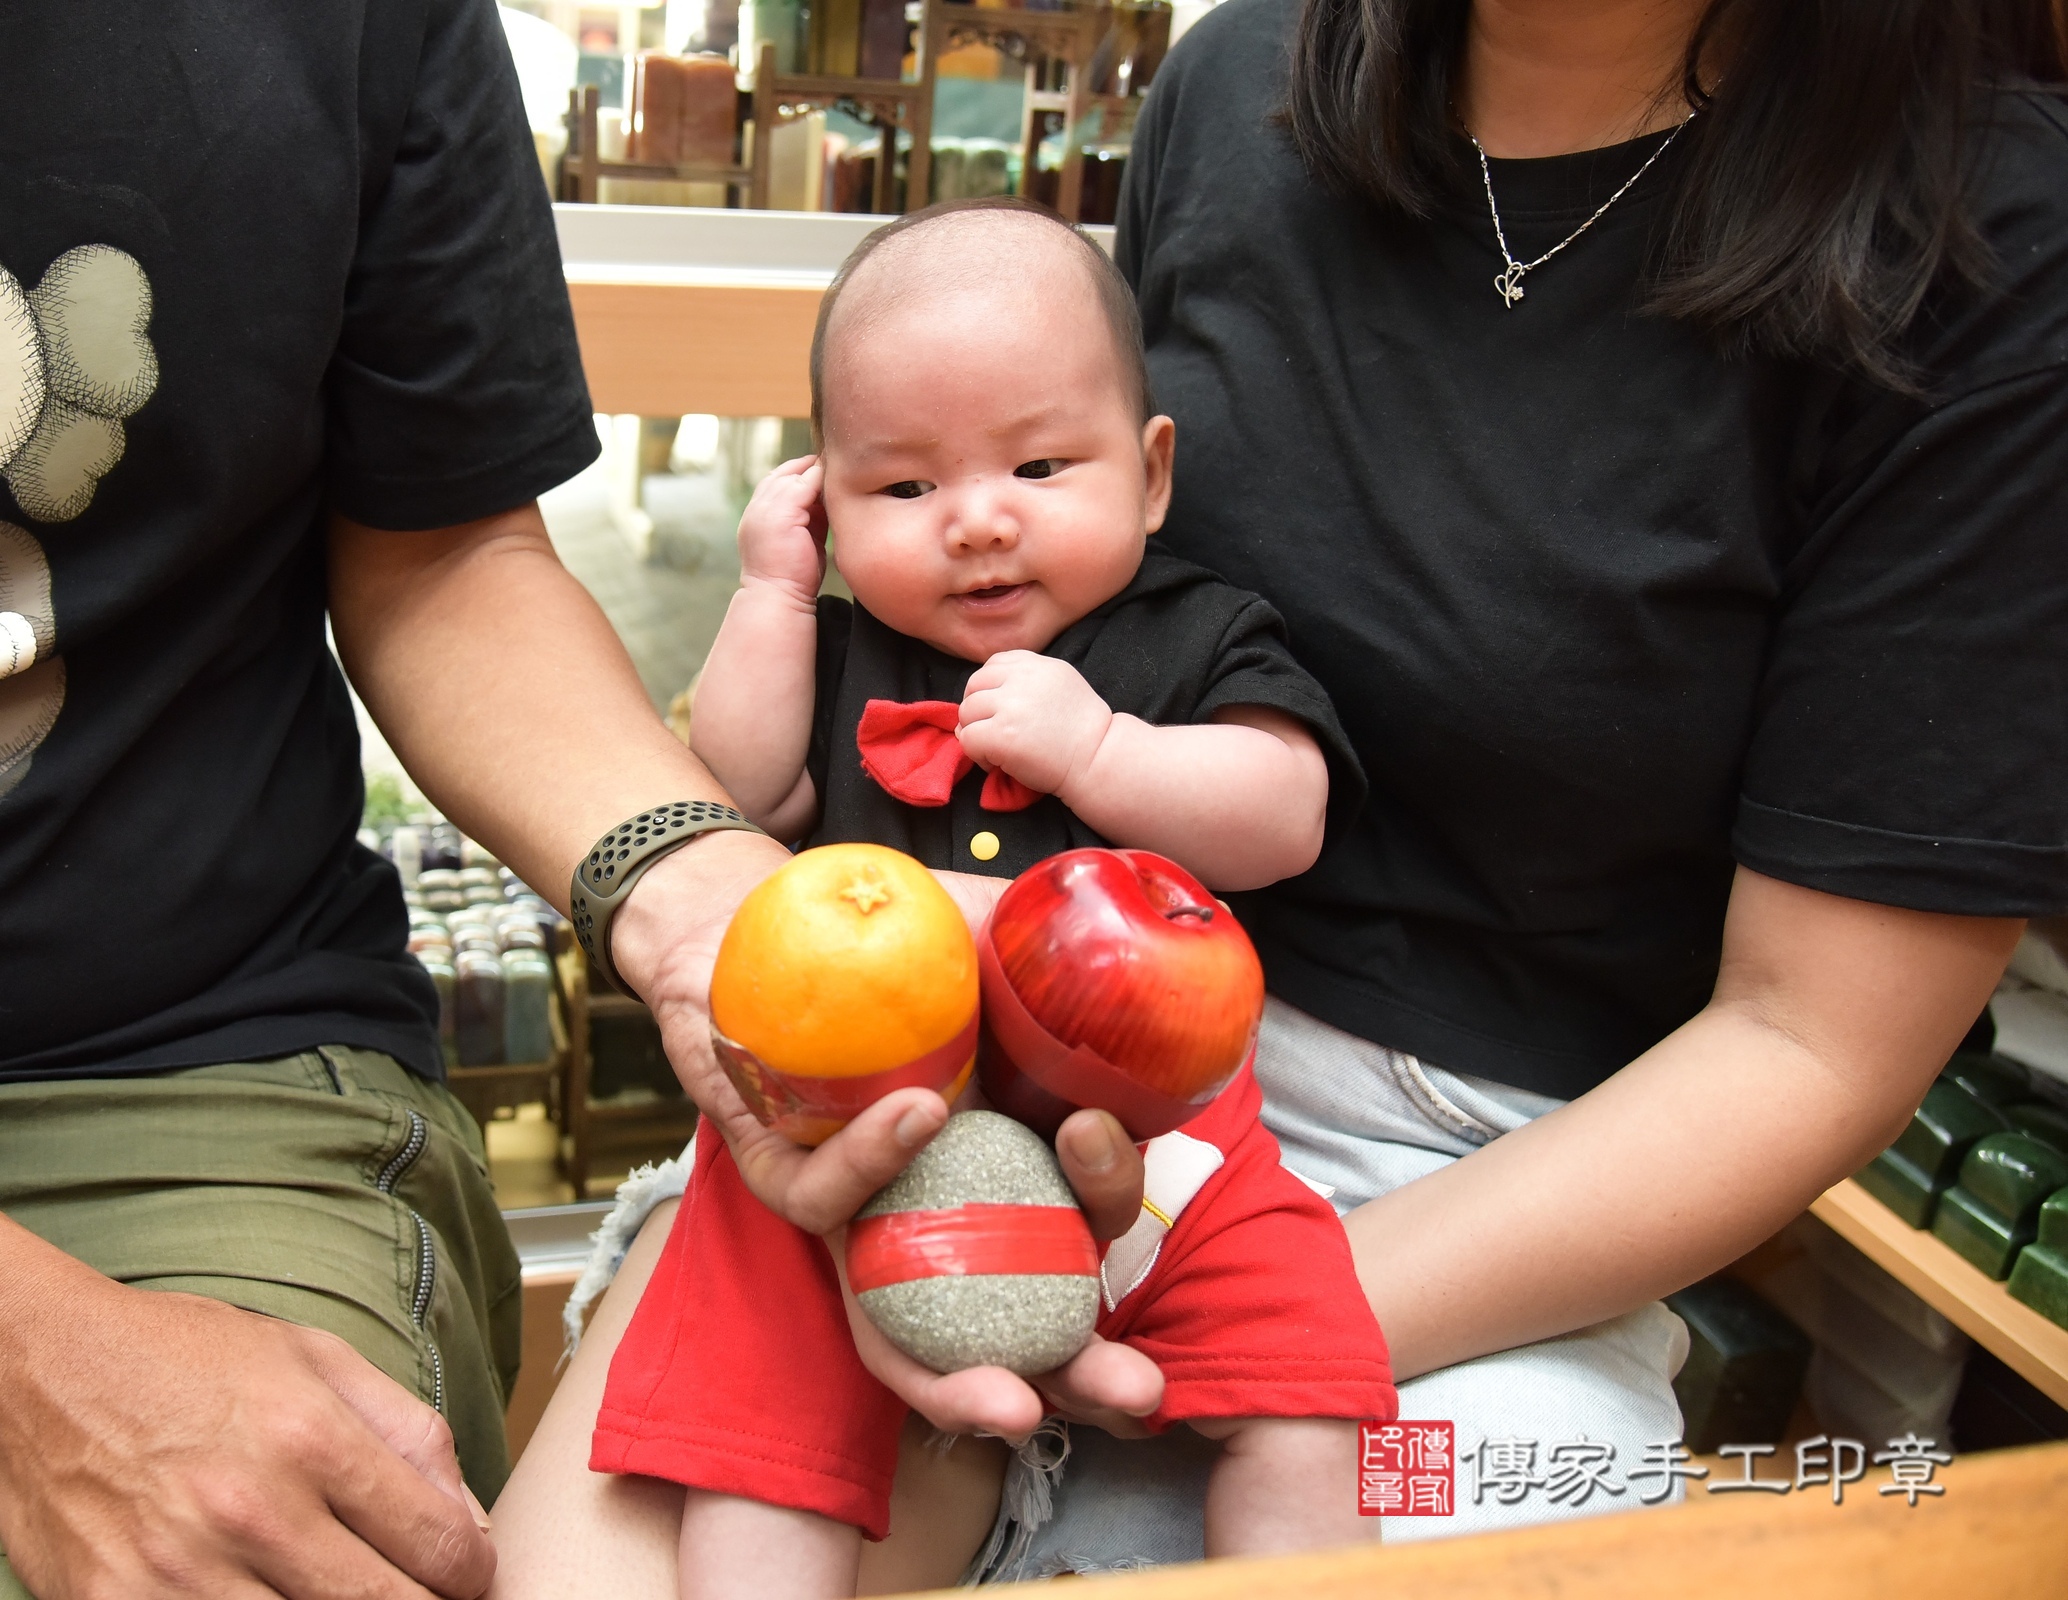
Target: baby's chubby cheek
[901,588]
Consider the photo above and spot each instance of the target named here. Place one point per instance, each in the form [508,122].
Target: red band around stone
[970,1241]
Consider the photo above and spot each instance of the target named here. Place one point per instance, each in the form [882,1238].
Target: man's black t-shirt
[260,261]
[1173,647]
[1604,613]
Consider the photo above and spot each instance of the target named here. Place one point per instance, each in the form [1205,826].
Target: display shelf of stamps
[599,1135]
[2025,1341]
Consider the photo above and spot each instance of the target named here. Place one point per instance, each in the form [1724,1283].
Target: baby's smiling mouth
[993,596]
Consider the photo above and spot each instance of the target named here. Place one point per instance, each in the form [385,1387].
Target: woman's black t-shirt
[1173,647]
[1602,612]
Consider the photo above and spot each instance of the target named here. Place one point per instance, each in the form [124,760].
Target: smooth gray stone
[979,1158]
[1027,1324]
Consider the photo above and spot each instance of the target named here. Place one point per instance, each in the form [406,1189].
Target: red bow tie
[912,751]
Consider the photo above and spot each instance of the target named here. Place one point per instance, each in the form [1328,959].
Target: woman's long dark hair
[1820,197]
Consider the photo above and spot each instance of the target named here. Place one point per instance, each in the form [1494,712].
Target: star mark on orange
[866,894]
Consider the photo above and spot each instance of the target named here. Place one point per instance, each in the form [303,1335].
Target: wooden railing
[2000,1530]
[683,311]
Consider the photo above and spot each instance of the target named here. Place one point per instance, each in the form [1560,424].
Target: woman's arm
[1829,1020]
[751,722]
[1239,802]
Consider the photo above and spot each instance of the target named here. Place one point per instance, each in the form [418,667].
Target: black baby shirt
[1173,647]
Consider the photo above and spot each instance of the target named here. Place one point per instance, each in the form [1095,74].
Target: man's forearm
[503,689]
[1830,1020]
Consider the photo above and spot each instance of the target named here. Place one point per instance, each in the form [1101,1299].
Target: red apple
[1112,978]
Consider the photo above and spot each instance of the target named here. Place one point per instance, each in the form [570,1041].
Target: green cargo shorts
[333,1188]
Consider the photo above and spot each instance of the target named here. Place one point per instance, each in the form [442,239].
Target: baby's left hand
[1035,717]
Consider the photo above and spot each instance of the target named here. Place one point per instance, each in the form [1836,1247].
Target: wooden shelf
[864,91]
[665,173]
[2034,1348]
[1045,30]
[1996,1531]
[668,349]
[605,1003]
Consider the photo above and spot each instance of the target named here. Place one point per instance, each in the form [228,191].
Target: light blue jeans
[1365,1120]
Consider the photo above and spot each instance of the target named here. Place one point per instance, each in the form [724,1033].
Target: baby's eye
[1047,467]
[909,489]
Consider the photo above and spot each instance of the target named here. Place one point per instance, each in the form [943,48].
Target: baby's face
[987,478]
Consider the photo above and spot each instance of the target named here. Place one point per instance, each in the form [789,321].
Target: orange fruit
[849,960]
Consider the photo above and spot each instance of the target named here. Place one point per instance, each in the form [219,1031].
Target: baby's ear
[1159,451]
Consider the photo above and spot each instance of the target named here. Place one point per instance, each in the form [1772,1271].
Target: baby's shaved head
[961,245]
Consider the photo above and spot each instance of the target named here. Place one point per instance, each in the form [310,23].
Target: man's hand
[783,530]
[156,1444]
[1111,1385]
[665,939]
[1034,717]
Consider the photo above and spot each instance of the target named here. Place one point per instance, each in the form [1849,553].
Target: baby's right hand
[783,530]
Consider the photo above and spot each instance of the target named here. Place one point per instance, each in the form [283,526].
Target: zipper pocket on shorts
[427,1250]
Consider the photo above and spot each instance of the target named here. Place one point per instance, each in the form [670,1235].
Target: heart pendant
[1508,285]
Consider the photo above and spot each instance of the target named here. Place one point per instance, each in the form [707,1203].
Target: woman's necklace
[1508,282]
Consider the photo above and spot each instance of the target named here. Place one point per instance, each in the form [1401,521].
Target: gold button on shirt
[984,846]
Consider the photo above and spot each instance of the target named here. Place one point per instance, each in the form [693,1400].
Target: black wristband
[603,880]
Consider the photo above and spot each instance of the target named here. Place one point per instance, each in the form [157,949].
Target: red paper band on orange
[969,1242]
[810,1109]
[1033,1072]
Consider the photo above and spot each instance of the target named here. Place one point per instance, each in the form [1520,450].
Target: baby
[991,474]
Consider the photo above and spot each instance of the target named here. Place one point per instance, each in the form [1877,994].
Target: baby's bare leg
[1283,1483]
[736,1549]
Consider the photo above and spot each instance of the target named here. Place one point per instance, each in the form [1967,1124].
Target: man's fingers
[986,1400]
[1106,1383]
[976,895]
[323,1560]
[1105,1169]
[817,1189]
[976,1400]
[426,1532]
[402,1422]
[830,1184]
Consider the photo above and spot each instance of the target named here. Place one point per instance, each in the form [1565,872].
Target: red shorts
[738,1373]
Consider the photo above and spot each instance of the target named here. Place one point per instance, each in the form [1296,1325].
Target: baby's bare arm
[751,721]
[1240,802]
[1283,1484]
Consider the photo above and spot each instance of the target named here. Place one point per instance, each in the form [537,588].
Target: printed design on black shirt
[75,359]
[32,679]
